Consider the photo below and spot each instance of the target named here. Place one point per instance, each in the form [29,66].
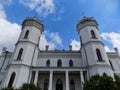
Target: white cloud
[44,42]
[56,38]
[107,49]
[113,38]
[75,44]
[2,13]
[9,33]
[42,7]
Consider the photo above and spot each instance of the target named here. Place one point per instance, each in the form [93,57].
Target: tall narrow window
[99,55]
[11,81]
[59,63]
[72,85]
[48,63]
[26,34]
[93,34]
[46,83]
[70,63]
[32,77]
[20,54]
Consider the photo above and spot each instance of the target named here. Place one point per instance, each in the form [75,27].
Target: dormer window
[93,34]
[26,34]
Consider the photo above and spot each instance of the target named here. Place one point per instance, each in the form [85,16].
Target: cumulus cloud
[75,44]
[44,42]
[9,33]
[113,38]
[107,49]
[56,38]
[42,7]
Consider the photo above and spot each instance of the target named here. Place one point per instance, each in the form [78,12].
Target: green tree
[117,82]
[98,82]
[7,88]
[27,86]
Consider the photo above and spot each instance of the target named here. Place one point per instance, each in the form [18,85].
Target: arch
[70,63]
[48,63]
[46,83]
[59,63]
[99,55]
[72,85]
[59,84]
[26,34]
[12,78]
[20,54]
[93,34]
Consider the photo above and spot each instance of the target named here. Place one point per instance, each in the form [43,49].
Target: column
[50,80]
[36,78]
[67,81]
[81,78]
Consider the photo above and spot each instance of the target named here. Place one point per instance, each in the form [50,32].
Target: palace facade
[56,69]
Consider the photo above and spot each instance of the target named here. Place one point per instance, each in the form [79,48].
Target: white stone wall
[65,58]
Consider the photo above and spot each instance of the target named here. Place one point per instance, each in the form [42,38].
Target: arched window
[26,34]
[20,54]
[93,34]
[72,85]
[48,63]
[70,63]
[12,78]
[59,63]
[99,55]
[59,84]
[46,83]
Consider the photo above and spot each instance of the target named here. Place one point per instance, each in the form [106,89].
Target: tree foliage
[25,86]
[103,82]
[7,88]
[29,87]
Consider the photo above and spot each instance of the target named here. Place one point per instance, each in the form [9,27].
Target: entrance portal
[59,85]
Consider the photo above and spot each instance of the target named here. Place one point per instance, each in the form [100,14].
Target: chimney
[70,47]
[47,47]
[116,50]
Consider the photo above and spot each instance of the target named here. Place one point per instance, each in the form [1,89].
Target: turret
[28,41]
[93,53]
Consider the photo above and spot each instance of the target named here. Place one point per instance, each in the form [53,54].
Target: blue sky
[60,18]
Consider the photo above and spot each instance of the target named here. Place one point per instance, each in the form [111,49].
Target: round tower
[25,53]
[92,49]
[28,41]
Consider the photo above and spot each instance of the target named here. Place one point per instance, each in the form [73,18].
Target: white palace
[56,69]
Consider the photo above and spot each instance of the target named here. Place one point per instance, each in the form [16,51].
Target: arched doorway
[59,84]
